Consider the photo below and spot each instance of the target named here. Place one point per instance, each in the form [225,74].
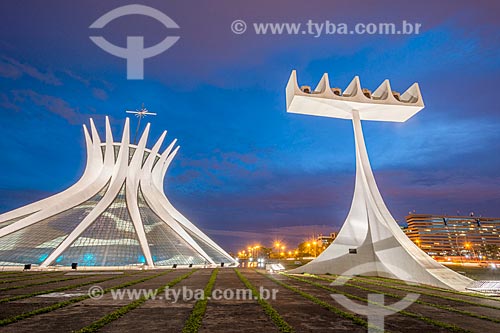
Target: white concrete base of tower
[370,242]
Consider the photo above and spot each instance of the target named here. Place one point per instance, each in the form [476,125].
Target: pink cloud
[289,235]
[99,94]
[14,69]
[53,104]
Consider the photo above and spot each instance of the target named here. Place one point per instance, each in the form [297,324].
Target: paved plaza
[60,302]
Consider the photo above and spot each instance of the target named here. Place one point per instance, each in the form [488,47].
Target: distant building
[440,235]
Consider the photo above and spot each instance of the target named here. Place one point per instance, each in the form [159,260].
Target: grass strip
[280,323]
[28,278]
[449,298]
[424,286]
[354,318]
[95,326]
[42,283]
[451,327]
[55,290]
[22,274]
[434,305]
[193,323]
[29,271]
[63,304]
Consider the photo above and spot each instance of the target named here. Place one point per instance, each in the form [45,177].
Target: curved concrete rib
[88,186]
[173,211]
[115,183]
[155,199]
[131,188]
[91,165]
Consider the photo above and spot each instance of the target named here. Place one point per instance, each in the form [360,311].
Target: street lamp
[314,243]
[458,249]
[256,248]
[469,246]
[277,246]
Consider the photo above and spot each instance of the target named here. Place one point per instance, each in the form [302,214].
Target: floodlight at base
[370,241]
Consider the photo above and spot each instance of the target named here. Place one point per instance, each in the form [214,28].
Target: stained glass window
[215,254]
[111,240]
[11,221]
[34,243]
[167,247]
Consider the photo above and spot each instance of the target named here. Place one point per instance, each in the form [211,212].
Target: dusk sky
[247,171]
